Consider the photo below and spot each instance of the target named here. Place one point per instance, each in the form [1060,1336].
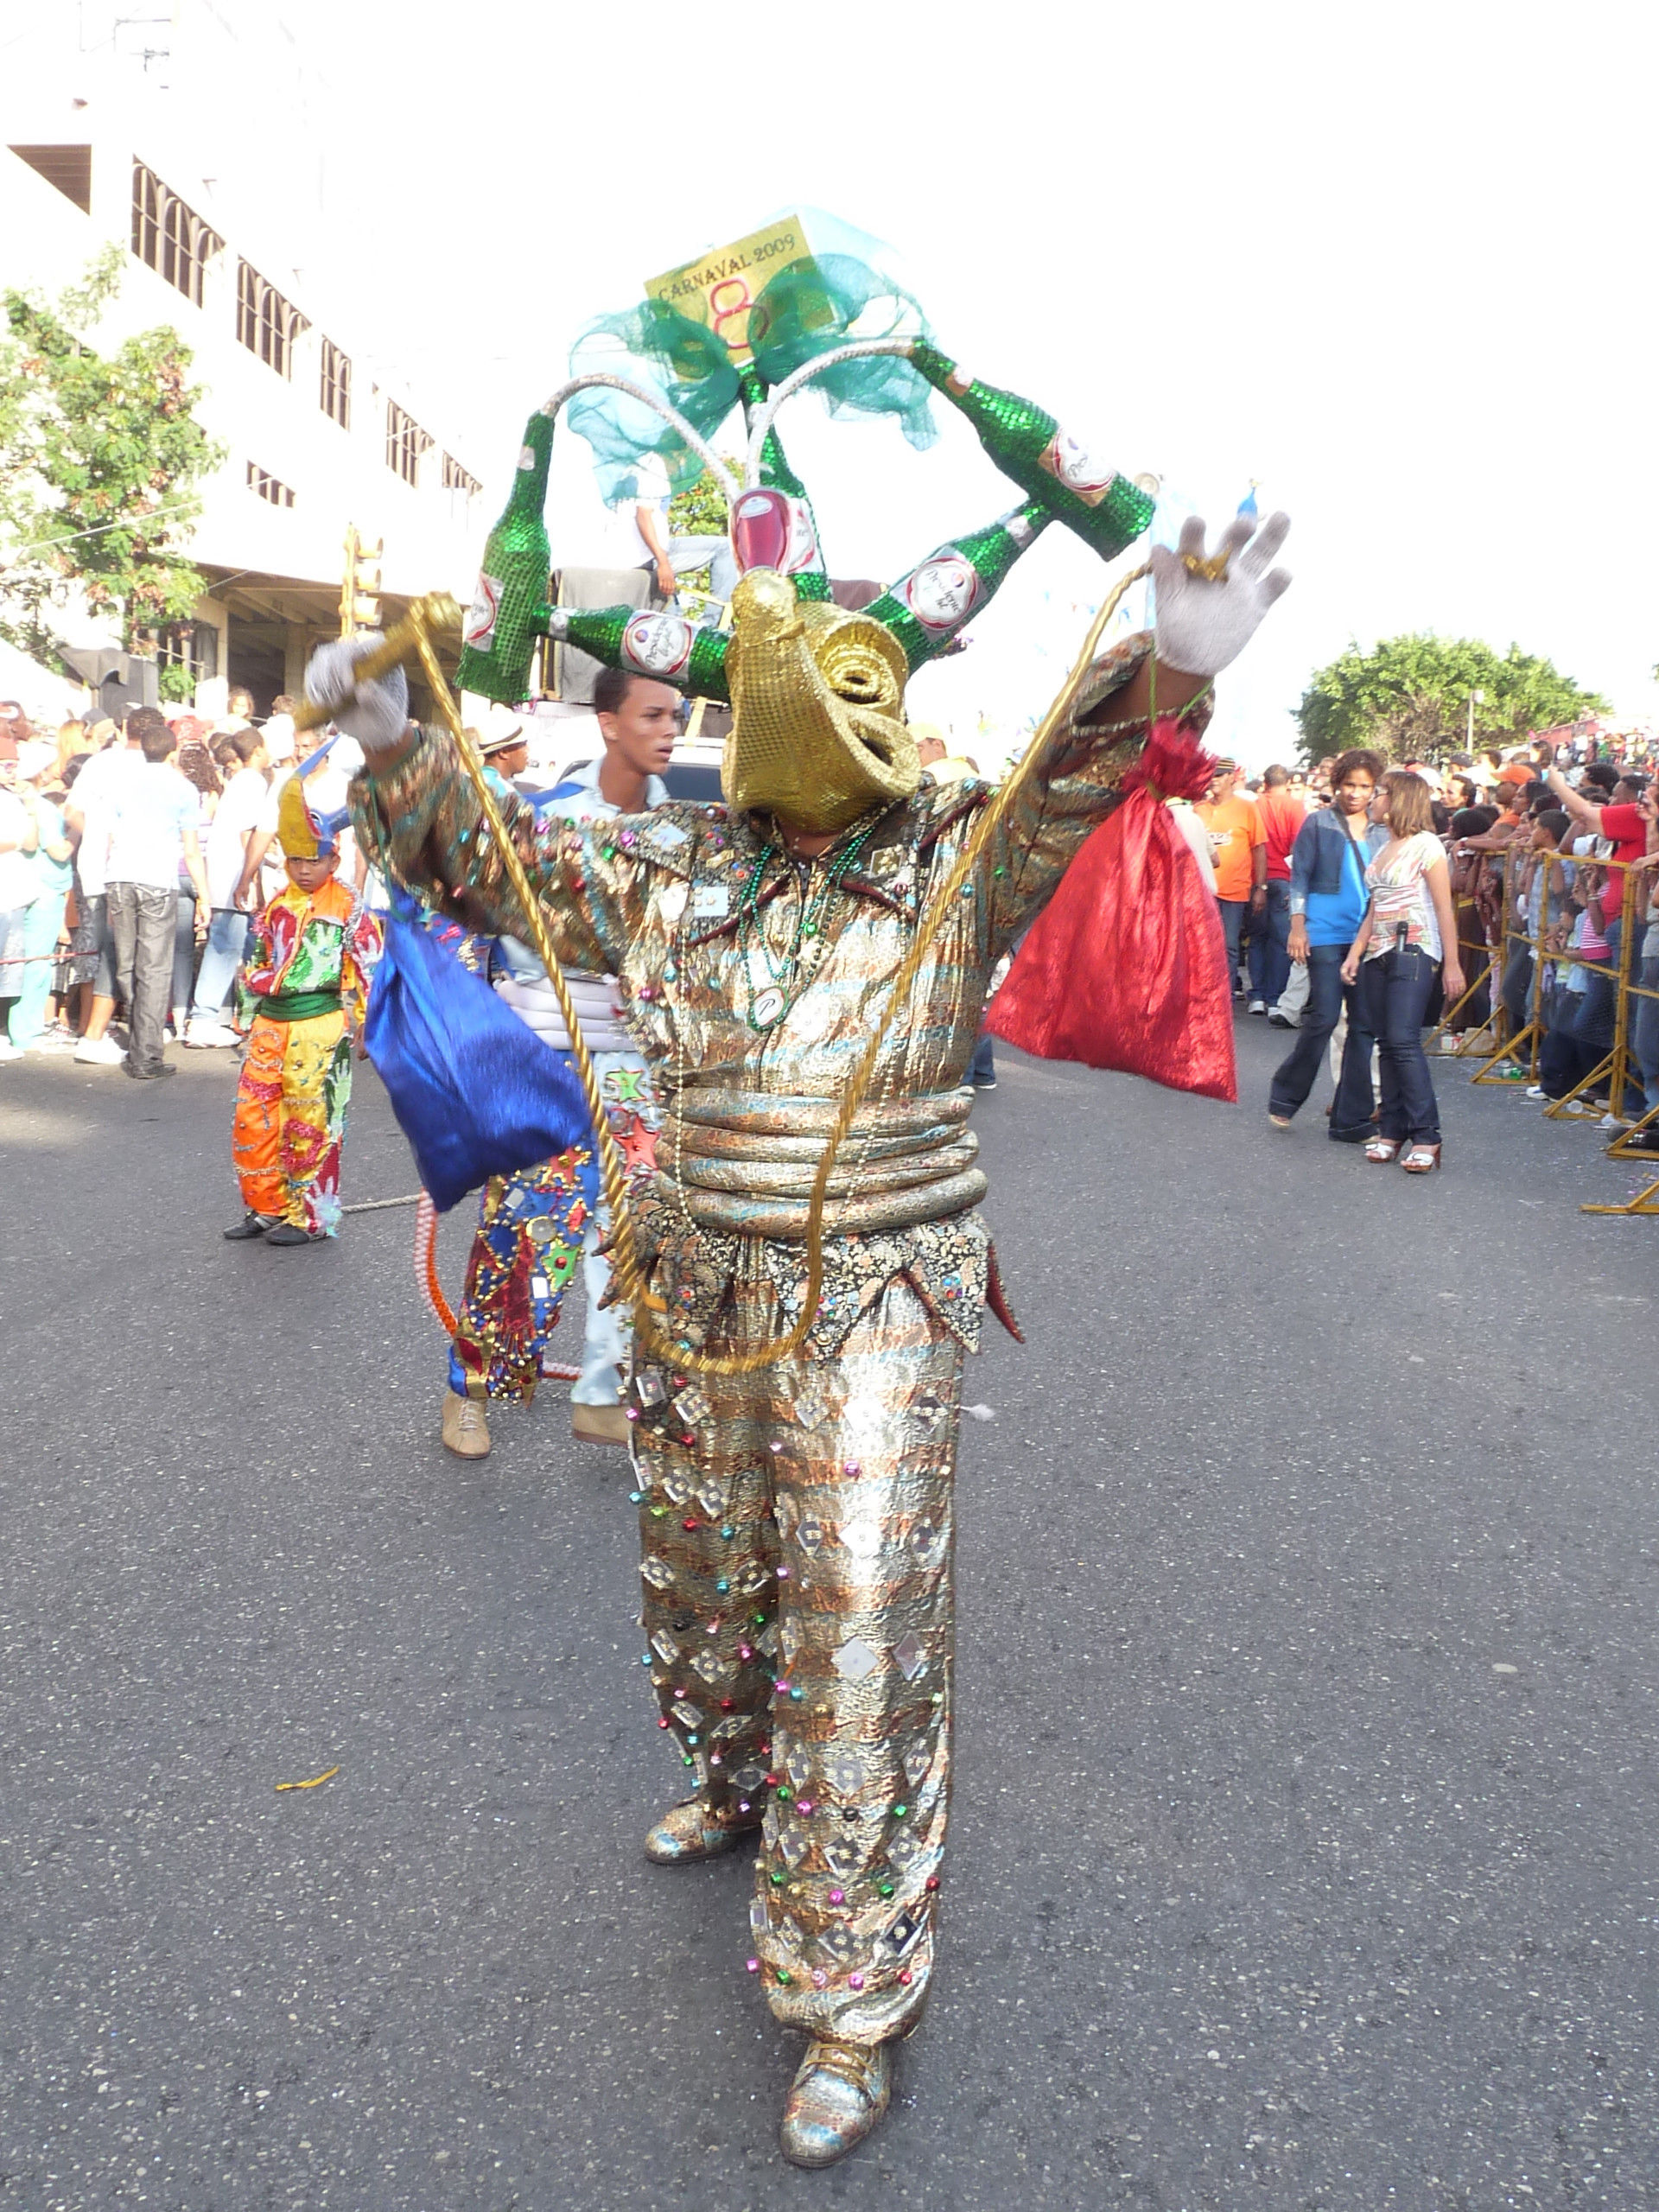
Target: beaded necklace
[791,973]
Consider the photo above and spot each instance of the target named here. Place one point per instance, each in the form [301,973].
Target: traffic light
[359,591]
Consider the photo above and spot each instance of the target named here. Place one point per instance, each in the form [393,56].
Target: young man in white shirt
[240,807]
[87,815]
[325,792]
[151,830]
[646,541]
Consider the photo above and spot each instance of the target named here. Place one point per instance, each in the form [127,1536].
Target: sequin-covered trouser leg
[798,1607]
[531,1227]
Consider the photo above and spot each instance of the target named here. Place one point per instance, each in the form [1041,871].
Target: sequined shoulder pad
[945,805]
[679,837]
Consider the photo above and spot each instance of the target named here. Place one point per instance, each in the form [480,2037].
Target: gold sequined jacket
[698,913]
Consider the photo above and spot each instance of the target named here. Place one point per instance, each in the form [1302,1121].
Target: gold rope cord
[625,1254]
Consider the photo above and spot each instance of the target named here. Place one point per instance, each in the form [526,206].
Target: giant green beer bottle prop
[1107,512]
[651,642]
[927,608]
[498,637]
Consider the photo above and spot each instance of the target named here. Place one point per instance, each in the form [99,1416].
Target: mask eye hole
[860,683]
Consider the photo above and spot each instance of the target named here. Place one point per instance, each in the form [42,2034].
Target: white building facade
[324,432]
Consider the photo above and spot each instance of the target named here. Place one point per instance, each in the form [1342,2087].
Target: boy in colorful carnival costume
[797,1519]
[301,991]
[534,1225]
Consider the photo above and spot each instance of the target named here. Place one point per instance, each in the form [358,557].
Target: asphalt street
[1306,1842]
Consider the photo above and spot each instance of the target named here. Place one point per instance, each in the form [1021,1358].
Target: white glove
[1203,624]
[375,712]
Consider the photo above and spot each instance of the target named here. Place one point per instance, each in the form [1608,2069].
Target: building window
[405,444]
[455,478]
[336,388]
[168,237]
[266,486]
[69,168]
[265,322]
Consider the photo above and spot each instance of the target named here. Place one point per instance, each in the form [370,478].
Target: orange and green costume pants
[290,1119]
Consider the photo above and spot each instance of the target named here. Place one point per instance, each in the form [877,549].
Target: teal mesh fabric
[653,345]
[815,305]
[807,308]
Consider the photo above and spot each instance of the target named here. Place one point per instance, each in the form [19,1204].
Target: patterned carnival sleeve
[360,949]
[421,818]
[256,977]
[1068,792]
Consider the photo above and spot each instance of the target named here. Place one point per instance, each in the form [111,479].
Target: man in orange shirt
[1239,844]
[1281,814]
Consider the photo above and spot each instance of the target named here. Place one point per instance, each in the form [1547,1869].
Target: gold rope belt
[746,1161]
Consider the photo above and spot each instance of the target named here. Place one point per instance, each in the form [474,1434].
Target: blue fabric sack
[476,1091]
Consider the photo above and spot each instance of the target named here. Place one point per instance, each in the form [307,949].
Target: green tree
[100,456]
[1408,698]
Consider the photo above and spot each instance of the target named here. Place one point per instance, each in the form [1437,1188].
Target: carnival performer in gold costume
[797,1521]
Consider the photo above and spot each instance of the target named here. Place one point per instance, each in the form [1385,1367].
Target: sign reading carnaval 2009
[720,288]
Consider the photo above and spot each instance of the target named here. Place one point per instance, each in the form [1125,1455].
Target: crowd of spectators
[132,855]
[1537,843]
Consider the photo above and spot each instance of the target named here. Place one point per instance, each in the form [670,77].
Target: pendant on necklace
[767,1007]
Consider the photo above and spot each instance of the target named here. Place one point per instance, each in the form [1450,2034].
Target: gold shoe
[599,1424]
[466,1427]
[689,1832]
[839,2094]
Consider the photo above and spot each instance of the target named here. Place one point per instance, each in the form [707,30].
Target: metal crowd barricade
[1478,967]
[1615,1071]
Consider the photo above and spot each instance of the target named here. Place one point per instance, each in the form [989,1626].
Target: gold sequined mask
[819,734]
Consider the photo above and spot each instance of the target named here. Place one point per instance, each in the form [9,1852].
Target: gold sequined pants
[796,1538]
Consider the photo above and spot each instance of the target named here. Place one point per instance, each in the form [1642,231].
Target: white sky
[1399,263]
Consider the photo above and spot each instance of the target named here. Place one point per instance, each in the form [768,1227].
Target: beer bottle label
[802,553]
[1078,469]
[773,530]
[659,645]
[943,593]
[479,632]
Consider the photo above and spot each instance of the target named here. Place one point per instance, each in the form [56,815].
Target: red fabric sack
[1126,966]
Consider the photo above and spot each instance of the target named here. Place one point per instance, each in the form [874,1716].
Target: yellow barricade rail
[1617,1070]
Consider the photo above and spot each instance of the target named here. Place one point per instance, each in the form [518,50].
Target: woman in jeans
[1408,936]
[1327,903]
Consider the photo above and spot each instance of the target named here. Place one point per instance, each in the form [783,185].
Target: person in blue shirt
[1328,905]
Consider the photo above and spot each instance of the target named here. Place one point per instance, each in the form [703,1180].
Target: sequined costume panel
[290,1123]
[690,910]
[797,1540]
[798,1599]
[526,1248]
